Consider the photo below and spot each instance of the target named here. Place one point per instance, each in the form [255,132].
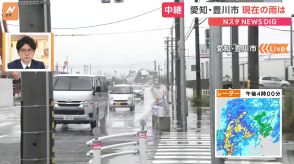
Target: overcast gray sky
[122,52]
[119,52]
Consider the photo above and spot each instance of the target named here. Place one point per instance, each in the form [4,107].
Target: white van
[80,99]
[121,96]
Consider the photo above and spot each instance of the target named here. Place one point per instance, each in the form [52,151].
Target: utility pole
[197,48]
[253,64]
[215,82]
[56,67]
[177,69]
[172,68]
[159,74]
[90,69]
[37,121]
[67,63]
[154,76]
[167,69]
[235,57]
[243,69]
[184,109]
[198,78]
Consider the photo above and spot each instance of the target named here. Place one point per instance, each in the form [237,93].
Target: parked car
[138,91]
[121,96]
[80,99]
[272,82]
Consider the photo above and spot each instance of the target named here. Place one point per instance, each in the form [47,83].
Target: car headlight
[89,103]
[130,98]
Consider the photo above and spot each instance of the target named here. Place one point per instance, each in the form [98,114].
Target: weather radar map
[249,124]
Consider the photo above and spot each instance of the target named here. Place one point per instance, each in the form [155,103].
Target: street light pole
[172,68]
[197,48]
[159,75]
[197,54]
[66,63]
[167,68]
[183,107]
[154,75]
[243,74]
[177,70]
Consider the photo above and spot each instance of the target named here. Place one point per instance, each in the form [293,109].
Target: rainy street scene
[146,82]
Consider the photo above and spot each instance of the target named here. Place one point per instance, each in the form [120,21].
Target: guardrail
[141,143]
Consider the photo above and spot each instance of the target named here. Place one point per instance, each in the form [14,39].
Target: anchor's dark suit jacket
[16,64]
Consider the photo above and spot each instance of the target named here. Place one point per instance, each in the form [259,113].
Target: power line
[103,24]
[193,28]
[189,34]
[190,28]
[159,29]
[105,67]
[114,33]
[117,33]
[108,68]
[277,29]
[121,65]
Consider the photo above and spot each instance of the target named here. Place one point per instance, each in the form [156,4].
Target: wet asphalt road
[70,147]
[70,139]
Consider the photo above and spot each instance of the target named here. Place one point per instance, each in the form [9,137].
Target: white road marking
[10,108]
[6,124]
[2,136]
[118,124]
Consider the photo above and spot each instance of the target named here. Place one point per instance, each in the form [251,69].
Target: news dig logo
[250,21]
[225,21]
